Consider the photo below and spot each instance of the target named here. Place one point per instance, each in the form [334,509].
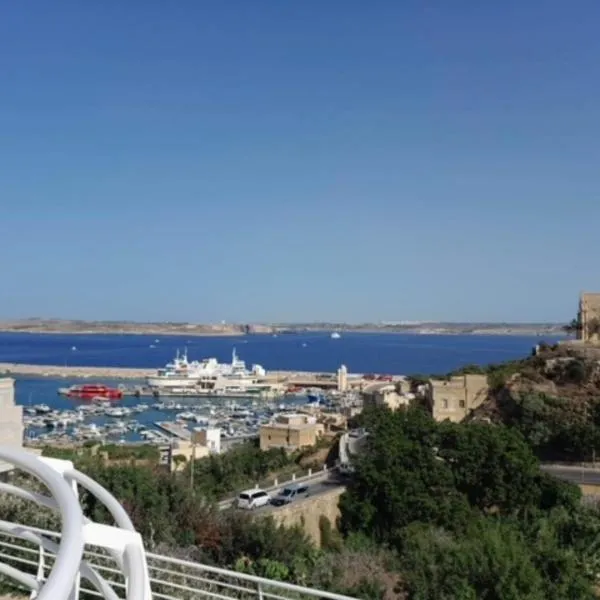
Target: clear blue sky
[268,160]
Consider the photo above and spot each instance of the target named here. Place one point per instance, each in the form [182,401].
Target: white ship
[209,374]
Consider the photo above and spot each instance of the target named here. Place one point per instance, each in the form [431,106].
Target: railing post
[61,467]
[260,591]
[309,472]
[40,572]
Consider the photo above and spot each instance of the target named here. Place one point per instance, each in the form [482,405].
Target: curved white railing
[110,559]
[120,542]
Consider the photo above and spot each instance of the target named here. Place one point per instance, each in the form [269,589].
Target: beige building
[454,399]
[11,418]
[291,431]
[392,395]
[186,450]
[589,317]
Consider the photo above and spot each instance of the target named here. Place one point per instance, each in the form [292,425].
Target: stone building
[291,431]
[589,317]
[455,398]
[392,395]
[11,418]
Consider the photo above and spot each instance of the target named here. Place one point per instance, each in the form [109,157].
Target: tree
[573,327]
[399,479]
[492,466]
[492,561]
[468,510]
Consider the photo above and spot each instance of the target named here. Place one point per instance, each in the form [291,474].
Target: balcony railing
[108,561]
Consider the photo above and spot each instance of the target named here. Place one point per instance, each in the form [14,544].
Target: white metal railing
[170,578]
[121,542]
[109,561]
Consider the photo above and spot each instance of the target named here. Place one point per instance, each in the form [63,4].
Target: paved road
[315,488]
[315,481]
[574,474]
[329,480]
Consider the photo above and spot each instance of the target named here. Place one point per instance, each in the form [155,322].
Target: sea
[314,351]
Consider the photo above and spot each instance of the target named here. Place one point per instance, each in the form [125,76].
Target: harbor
[74,405]
[304,378]
[182,377]
[134,420]
[166,405]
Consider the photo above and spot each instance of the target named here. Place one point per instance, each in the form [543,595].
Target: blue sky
[280,161]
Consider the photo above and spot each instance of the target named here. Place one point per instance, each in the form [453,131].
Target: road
[317,483]
[574,474]
[325,481]
[315,489]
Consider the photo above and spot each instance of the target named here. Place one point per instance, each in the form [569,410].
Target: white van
[251,499]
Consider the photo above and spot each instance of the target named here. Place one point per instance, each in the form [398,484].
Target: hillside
[553,398]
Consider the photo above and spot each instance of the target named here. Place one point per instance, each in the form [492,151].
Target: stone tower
[589,317]
[11,418]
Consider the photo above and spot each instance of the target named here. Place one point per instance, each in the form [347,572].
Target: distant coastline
[68,327]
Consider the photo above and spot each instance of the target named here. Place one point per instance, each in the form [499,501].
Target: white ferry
[209,373]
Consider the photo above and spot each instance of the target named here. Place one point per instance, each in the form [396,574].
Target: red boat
[88,392]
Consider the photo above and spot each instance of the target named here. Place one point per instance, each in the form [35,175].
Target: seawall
[74,372]
[56,371]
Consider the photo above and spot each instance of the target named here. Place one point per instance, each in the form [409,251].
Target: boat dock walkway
[174,429]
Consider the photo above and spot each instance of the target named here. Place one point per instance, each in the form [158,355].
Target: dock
[287,378]
[174,429]
[56,371]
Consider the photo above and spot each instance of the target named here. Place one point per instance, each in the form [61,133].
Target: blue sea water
[360,352]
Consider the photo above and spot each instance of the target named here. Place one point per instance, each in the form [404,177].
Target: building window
[462,403]
[444,403]
[269,437]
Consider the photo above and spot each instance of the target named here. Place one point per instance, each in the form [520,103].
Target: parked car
[251,499]
[290,493]
[346,469]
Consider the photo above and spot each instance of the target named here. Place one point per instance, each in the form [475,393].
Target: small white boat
[335,336]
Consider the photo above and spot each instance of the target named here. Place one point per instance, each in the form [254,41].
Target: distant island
[40,325]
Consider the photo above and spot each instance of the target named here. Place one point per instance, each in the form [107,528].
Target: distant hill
[42,325]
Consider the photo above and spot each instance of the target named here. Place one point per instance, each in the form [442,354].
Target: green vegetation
[434,510]
[467,512]
[498,374]
[553,400]
[574,326]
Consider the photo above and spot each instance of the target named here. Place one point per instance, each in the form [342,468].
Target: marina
[63,420]
[174,430]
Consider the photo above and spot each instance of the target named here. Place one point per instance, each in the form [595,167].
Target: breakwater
[71,372]
[300,378]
